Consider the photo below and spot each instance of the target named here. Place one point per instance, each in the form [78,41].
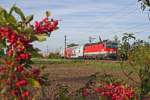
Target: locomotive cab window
[111,45]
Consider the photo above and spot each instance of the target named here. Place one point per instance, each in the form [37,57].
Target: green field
[95,64]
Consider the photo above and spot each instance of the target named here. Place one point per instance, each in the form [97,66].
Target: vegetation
[17,77]
[140,55]
[144,4]
[54,55]
[125,46]
[136,60]
[36,54]
[20,81]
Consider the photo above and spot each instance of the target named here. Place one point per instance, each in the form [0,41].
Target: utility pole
[65,46]
[47,53]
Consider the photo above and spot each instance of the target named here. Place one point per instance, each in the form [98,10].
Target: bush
[17,77]
[140,56]
[54,55]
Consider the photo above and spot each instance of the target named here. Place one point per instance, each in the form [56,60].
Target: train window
[112,45]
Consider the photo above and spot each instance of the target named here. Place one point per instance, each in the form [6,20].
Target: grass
[95,64]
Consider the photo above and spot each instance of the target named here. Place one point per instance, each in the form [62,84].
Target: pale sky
[83,18]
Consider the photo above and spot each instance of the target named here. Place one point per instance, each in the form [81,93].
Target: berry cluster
[45,25]
[112,91]
[15,46]
[17,57]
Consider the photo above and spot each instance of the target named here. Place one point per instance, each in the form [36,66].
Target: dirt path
[74,77]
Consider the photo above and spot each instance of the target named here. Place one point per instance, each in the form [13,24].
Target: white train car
[77,52]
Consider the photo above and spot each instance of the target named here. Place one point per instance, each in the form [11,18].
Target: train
[101,50]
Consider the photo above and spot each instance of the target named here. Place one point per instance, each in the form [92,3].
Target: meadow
[76,73]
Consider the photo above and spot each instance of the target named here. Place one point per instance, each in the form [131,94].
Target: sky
[81,19]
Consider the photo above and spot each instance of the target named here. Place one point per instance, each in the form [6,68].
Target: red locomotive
[101,50]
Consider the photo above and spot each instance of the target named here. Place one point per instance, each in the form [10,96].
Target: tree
[144,4]
[125,45]
[127,37]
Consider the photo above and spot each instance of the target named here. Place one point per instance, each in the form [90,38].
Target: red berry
[36,72]
[85,92]
[21,83]
[9,52]
[25,94]
[98,90]
[14,92]
[20,68]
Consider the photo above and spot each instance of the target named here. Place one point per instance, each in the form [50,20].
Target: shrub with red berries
[111,92]
[115,92]
[16,36]
[109,88]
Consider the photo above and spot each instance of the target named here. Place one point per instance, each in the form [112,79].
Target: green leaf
[11,9]
[41,37]
[2,53]
[11,19]
[1,9]
[27,66]
[3,13]
[19,12]
[28,19]
[2,43]
[34,83]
